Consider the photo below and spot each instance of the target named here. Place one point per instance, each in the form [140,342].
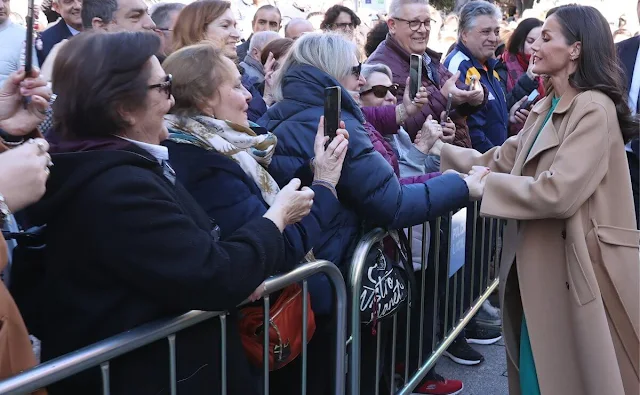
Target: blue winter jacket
[487,127]
[368,190]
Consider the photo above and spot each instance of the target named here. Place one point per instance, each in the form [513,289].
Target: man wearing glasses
[409,27]
[164,15]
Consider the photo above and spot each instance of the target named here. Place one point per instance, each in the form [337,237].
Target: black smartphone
[415,75]
[332,106]
[28,49]
[530,99]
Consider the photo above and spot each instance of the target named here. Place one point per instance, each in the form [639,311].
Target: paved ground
[488,378]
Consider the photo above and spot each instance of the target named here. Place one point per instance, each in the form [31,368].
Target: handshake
[475,180]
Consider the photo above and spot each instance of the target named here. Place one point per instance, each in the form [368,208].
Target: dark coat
[125,246]
[243,48]
[390,53]
[50,37]
[368,189]
[206,173]
[627,53]
[257,106]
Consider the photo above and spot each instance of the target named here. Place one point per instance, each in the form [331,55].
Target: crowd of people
[168,166]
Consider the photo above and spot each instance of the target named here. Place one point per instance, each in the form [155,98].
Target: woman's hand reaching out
[476,181]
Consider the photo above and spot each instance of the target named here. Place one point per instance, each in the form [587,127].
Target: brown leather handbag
[285,329]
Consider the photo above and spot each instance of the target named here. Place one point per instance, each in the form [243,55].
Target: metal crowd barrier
[101,353]
[469,287]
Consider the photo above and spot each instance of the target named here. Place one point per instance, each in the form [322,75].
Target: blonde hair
[197,71]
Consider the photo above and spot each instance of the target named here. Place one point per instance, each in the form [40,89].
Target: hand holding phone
[530,99]
[332,106]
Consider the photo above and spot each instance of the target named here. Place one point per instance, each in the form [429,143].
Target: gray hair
[396,5]
[161,13]
[261,39]
[472,10]
[329,52]
[103,9]
[368,69]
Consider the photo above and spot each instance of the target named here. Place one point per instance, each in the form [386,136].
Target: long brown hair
[191,25]
[598,67]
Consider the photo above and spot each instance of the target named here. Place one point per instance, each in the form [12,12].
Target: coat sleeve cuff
[446,193]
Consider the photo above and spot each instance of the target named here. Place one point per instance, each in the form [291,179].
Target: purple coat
[384,119]
[390,53]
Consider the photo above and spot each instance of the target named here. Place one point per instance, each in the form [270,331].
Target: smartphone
[449,102]
[28,48]
[415,75]
[332,106]
[472,83]
[530,99]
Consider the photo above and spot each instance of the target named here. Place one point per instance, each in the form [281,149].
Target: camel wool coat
[571,259]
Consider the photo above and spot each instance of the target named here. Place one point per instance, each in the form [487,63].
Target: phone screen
[28,49]
[530,99]
[449,102]
[415,75]
[332,105]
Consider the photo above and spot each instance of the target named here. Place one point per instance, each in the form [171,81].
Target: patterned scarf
[251,151]
[516,66]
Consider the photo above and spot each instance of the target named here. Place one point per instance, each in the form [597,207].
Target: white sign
[458,237]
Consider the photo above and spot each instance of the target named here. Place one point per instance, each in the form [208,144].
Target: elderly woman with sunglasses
[126,243]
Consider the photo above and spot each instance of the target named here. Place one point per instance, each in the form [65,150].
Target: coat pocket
[580,288]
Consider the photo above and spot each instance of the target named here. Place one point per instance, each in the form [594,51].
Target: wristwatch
[4,211]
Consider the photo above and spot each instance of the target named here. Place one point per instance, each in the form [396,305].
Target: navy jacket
[487,127]
[126,246]
[51,37]
[257,106]
[233,199]
[369,190]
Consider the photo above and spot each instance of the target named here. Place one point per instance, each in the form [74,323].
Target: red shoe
[439,386]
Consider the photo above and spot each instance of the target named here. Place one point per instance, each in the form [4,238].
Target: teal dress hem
[529,384]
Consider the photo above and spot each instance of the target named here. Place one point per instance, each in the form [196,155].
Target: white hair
[396,5]
[474,9]
[261,39]
[329,52]
[368,69]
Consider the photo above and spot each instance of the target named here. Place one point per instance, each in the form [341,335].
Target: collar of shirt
[72,30]
[160,152]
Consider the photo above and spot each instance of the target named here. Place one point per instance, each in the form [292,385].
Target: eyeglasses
[164,86]
[380,91]
[344,26]
[356,70]
[415,24]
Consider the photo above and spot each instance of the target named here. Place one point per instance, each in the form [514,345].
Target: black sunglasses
[164,86]
[380,91]
[356,70]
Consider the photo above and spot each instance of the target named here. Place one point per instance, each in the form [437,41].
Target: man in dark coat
[629,56]
[266,18]
[67,26]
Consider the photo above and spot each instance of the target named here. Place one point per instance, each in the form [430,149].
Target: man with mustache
[68,26]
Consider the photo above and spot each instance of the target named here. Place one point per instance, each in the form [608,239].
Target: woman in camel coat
[564,185]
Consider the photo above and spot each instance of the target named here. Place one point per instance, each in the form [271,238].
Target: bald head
[297,27]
